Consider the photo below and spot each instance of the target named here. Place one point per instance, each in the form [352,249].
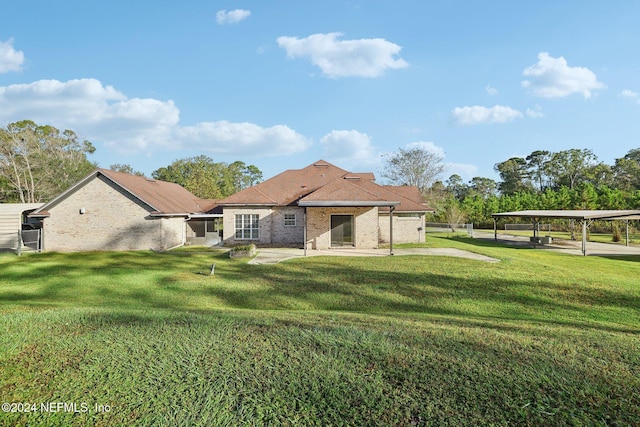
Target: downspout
[305,232]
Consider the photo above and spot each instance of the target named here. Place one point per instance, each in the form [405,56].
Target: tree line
[567,179]
[38,162]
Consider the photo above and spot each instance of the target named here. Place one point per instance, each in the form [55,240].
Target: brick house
[325,207]
[321,204]
[110,210]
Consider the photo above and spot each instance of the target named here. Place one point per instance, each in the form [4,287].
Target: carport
[586,217]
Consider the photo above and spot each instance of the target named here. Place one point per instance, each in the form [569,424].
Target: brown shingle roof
[160,196]
[287,187]
[324,183]
[164,197]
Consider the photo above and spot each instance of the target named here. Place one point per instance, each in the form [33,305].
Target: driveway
[572,247]
[275,255]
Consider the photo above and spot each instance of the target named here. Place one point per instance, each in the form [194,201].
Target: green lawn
[536,339]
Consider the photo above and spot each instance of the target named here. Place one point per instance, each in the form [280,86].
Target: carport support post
[584,237]
[626,221]
[495,229]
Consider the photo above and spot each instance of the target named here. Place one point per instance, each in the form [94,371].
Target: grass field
[146,339]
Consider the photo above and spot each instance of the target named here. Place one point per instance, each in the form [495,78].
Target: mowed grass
[536,339]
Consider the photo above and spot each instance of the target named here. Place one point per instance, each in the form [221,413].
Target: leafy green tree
[611,198]
[39,162]
[485,187]
[208,179]
[514,176]
[585,197]
[626,171]
[458,188]
[571,167]
[537,164]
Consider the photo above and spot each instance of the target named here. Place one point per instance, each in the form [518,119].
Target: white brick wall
[111,221]
[405,229]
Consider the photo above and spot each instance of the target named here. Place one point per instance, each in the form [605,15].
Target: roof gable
[160,196]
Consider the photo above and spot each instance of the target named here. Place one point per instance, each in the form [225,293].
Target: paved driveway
[275,255]
[572,247]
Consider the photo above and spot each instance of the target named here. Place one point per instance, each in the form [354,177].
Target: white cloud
[553,78]
[491,90]
[92,110]
[131,125]
[630,94]
[535,113]
[10,59]
[426,146]
[467,116]
[349,147]
[231,17]
[345,58]
[466,171]
[247,139]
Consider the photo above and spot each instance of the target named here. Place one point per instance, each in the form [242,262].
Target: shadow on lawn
[406,286]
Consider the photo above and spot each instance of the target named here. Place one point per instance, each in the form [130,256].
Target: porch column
[391,209]
[305,232]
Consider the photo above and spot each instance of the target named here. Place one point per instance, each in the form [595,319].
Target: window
[289,220]
[247,227]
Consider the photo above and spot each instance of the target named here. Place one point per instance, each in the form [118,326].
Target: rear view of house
[323,206]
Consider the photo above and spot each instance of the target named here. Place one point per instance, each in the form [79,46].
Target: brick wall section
[112,221]
[405,229]
[272,230]
[319,226]
[287,235]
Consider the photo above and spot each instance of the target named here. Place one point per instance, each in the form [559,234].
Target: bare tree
[454,215]
[38,162]
[415,166]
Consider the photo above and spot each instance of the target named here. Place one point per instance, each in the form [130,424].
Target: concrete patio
[275,255]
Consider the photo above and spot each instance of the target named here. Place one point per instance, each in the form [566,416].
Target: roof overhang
[168,215]
[245,205]
[345,203]
[204,216]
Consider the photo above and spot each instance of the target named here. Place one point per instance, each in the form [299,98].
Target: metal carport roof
[573,214]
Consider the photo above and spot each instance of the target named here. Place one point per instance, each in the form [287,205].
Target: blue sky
[280,84]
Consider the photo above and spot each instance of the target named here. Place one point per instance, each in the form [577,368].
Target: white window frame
[247,227]
[287,220]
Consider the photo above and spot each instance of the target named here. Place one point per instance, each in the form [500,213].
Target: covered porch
[204,230]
